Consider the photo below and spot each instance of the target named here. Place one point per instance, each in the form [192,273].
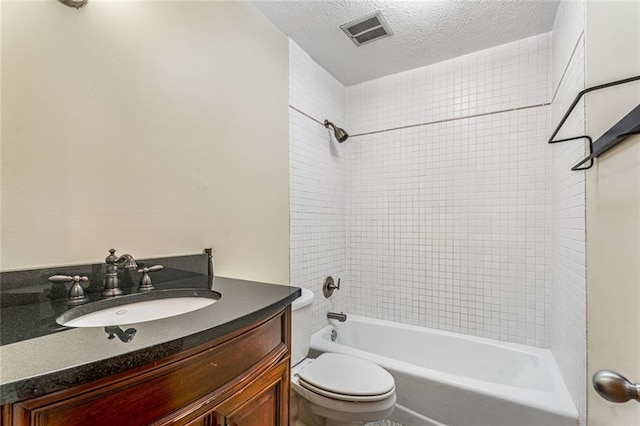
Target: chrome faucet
[111,281]
[342,317]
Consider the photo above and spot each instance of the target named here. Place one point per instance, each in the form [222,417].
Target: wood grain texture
[263,402]
[179,390]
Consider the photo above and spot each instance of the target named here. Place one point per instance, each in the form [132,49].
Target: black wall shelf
[629,125]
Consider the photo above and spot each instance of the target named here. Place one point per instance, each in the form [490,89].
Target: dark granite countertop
[37,356]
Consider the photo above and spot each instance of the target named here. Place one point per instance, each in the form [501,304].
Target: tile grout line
[451,119]
[564,72]
[306,115]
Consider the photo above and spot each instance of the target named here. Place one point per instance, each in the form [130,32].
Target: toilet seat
[346,378]
[343,397]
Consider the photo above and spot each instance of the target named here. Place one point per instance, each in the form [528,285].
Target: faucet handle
[76,293]
[153,268]
[145,280]
[329,286]
[112,258]
[67,278]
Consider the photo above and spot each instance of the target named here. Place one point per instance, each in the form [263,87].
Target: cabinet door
[264,402]
[210,419]
[259,411]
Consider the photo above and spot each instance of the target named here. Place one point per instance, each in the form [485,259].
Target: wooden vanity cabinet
[239,379]
[262,405]
[263,402]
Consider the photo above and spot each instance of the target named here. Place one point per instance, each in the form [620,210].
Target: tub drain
[334,335]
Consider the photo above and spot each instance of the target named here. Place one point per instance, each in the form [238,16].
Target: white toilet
[333,389]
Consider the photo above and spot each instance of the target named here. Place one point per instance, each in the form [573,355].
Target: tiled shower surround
[449,207]
[436,211]
[446,207]
[318,192]
[448,226]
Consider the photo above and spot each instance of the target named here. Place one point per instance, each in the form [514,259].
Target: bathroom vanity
[227,363]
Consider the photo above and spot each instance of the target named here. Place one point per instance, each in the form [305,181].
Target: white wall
[155,128]
[449,194]
[318,183]
[568,298]
[612,43]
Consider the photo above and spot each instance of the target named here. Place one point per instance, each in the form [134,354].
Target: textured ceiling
[425,32]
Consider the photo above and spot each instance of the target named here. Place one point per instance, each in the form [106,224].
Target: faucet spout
[342,317]
[127,261]
[111,282]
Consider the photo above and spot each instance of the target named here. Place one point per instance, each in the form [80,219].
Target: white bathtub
[445,378]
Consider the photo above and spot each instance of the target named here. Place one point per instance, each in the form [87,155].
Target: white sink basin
[141,307]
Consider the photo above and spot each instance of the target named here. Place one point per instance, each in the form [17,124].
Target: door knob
[615,387]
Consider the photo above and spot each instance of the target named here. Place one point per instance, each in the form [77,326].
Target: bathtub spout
[342,317]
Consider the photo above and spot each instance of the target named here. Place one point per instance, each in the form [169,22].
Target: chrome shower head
[339,133]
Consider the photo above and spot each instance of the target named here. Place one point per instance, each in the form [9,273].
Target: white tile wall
[568,206]
[449,226]
[449,222]
[317,182]
[505,77]
[567,29]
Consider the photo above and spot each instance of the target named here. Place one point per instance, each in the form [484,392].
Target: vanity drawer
[175,386]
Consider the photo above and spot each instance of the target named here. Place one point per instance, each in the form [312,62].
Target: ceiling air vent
[367,29]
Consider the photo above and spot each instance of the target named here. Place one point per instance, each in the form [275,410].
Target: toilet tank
[301,326]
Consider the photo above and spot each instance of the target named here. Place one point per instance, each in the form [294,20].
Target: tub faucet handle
[329,285]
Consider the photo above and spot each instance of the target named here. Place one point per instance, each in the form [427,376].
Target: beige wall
[612,44]
[156,128]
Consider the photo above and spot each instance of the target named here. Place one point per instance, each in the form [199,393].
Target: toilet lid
[347,378]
